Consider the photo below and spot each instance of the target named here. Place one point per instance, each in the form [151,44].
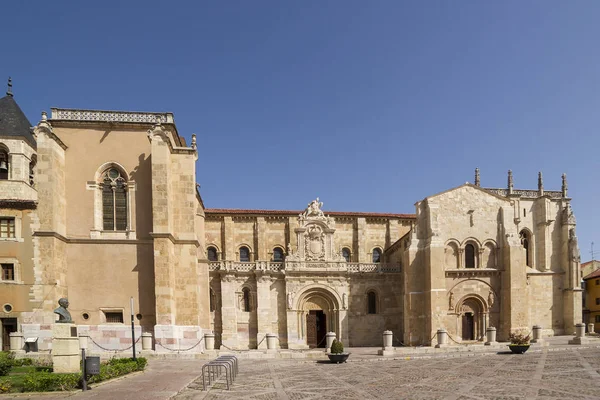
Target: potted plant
[337,354]
[519,342]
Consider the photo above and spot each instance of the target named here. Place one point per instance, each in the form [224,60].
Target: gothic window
[244,254]
[211,254]
[376,255]
[371,302]
[213,300]
[246,304]
[346,254]
[469,256]
[278,254]
[114,200]
[4,165]
[7,227]
[526,242]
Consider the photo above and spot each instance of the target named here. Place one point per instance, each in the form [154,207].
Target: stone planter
[518,348]
[338,358]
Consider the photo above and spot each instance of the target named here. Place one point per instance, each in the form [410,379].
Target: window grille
[7,227]
[244,254]
[8,272]
[277,254]
[376,255]
[212,254]
[346,254]
[114,317]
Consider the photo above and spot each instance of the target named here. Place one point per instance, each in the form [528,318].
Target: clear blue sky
[369,105]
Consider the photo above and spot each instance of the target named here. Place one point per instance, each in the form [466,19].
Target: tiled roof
[292,212]
[594,274]
[13,121]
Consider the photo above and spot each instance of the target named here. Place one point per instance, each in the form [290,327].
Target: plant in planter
[519,342]
[337,354]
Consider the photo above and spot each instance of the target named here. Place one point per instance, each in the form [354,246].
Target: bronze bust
[64,316]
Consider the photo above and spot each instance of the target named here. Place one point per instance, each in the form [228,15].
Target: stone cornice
[90,241]
[163,235]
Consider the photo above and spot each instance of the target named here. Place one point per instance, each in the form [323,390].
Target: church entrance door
[316,328]
[468,327]
[8,325]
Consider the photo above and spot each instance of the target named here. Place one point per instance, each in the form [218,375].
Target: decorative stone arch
[250,252]
[489,254]
[272,252]
[528,244]
[98,231]
[5,162]
[217,249]
[318,297]
[452,252]
[471,260]
[471,317]
[380,250]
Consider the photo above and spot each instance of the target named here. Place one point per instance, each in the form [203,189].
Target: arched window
[376,255]
[526,242]
[346,254]
[32,170]
[469,256]
[114,200]
[371,302]
[244,254]
[278,254]
[213,300]
[246,293]
[4,165]
[211,254]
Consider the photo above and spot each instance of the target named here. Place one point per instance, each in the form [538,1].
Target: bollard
[579,335]
[490,335]
[271,342]
[146,341]
[16,341]
[591,328]
[209,341]
[537,334]
[388,347]
[442,338]
[329,337]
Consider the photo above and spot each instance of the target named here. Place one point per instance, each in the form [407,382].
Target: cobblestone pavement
[542,374]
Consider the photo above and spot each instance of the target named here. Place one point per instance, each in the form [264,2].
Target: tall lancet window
[114,200]
[526,242]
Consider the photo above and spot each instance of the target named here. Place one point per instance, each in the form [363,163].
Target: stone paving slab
[571,373]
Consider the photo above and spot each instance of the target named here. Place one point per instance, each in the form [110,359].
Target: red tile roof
[291,212]
[594,274]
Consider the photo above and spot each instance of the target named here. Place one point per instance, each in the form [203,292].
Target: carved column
[263,312]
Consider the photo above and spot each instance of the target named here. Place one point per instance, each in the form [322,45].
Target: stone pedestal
[490,336]
[329,338]
[537,334]
[65,348]
[16,342]
[209,341]
[388,348]
[271,343]
[147,341]
[442,338]
[591,328]
[579,335]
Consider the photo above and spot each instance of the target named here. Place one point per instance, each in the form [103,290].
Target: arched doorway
[318,313]
[471,319]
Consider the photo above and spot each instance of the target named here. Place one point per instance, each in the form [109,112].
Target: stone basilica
[102,206]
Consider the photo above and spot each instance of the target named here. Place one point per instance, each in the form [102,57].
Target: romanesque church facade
[103,206]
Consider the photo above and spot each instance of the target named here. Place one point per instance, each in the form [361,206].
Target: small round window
[7,308]
[113,173]
[85,316]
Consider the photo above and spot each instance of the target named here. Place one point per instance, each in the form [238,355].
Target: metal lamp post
[132,330]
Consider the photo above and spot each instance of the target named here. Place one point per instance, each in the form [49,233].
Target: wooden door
[8,325]
[467,327]
[311,329]
[321,328]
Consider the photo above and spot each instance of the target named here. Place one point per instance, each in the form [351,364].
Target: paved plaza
[541,374]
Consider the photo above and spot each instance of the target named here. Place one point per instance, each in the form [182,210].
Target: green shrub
[5,386]
[337,347]
[6,362]
[117,367]
[22,362]
[141,362]
[49,382]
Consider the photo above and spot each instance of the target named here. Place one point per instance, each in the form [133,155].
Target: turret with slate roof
[13,121]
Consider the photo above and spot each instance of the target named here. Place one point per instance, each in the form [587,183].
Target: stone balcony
[11,190]
[304,266]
